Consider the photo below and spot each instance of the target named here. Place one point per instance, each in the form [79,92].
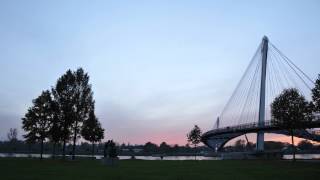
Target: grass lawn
[34,169]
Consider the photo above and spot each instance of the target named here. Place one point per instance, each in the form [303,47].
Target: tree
[12,138]
[316,95]
[12,134]
[164,147]
[175,148]
[194,137]
[37,120]
[291,111]
[305,145]
[63,96]
[240,145]
[92,130]
[112,150]
[150,147]
[75,98]
[56,130]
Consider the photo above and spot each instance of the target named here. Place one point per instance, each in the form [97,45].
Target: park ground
[35,169]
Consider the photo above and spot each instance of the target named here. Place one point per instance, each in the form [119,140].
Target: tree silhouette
[291,111]
[150,147]
[56,130]
[164,147]
[240,145]
[194,137]
[37,120]
[110,151]
[305,145]
[63,96]
[316,95]
[12,134]
[92,130]
[74,95]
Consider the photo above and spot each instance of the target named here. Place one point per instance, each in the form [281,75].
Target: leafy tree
[194,137]
[110,151]
[240,145]
[164,147]
[273,145]
[291,111]
[175,148]
[56,130]
[150,147]
[113,153]
[63,96]
[92,130]
[37,120]
[74,95]
[305,145]
[316,95]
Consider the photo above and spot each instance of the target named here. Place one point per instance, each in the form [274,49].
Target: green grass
[34,169]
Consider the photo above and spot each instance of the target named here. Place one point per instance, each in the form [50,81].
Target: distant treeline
[150,148]
[86,149]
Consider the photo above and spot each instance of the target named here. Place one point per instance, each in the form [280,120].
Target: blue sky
[156,67]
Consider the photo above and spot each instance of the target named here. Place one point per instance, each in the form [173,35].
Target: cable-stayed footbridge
[248,109]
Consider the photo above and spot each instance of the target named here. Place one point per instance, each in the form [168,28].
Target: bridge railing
[254,125]
[241,126]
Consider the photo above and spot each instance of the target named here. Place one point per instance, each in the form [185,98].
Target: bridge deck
[216,138]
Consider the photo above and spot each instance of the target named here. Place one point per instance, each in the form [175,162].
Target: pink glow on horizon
[158,138]
[181,139]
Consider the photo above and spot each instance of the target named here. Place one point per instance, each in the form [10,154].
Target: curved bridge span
[249,107]
[217,138]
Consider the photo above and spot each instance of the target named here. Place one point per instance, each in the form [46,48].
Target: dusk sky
[156,67]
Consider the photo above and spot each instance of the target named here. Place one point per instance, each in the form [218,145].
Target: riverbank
[22,168]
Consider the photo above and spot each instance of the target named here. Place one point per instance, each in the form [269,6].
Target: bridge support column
[264,54]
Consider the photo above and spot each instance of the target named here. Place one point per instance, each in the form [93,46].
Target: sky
[157,68]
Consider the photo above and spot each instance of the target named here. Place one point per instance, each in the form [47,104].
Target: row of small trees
[64,113]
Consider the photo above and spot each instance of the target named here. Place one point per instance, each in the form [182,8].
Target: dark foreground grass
[34,169]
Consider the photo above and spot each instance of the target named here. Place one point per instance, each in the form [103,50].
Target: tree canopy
[75,98]
[92,130]
[37,121]
[290,110]
[316,95]
[194,137]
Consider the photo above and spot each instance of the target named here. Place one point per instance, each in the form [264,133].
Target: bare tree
[12,134]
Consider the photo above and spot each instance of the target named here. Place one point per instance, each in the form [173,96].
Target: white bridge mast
[264,54]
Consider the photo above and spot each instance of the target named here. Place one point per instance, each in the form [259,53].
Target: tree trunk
[195,150]
[74,140]
[293,147]
[54,150]
[41,151]
[64,149]
[92,149]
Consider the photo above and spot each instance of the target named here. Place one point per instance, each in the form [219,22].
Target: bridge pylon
[264,54]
